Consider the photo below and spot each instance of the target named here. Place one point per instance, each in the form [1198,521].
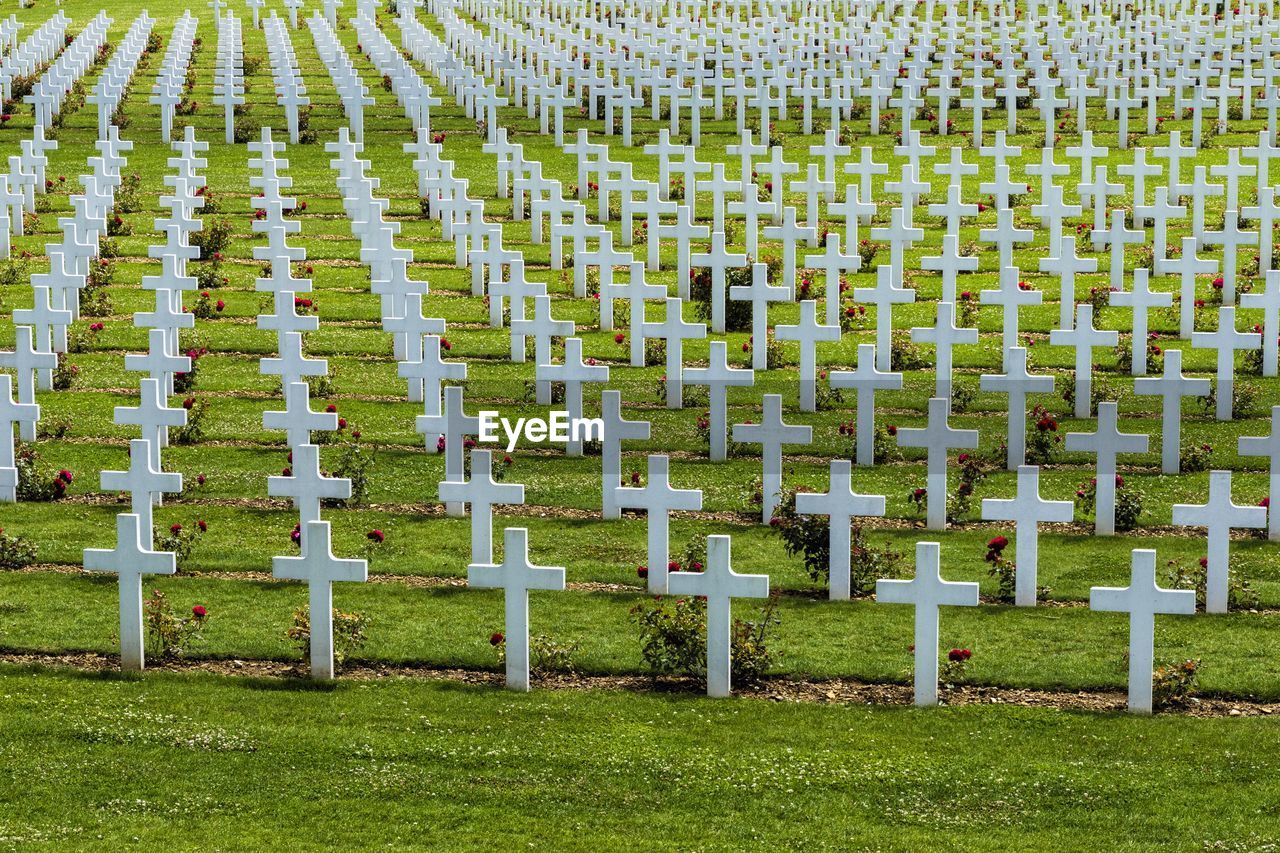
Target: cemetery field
[193,760]
[233,737]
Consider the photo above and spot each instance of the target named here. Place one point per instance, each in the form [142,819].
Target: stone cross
[1084,337]
[1267,447]
[543,328]
[297,419]
[718,376]
[1142,599]
[719,584]
[867,379]
[153,415]
[674,330]
[453,425]
[1230,238]
[759,293]
[1219,516]
[616,430]
[129,561]
[945,335]
[11,413]
[574,373]
[927,591]
[1188,266]
[937,438]
[658,500]
[771,434]
[809,333]
[307,485]
[884,296]
[144,483]
[1017,383]
[1269,301]
[718,259]
[1226,340]
[1026,510]
[834,264]
[515,576]
[1171,388]
[483,493]
[33,366]
[1065,265]
[841,504]
[1106,443]
[320,569]
[1141,299]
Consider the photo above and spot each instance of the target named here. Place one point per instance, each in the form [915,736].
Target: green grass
[187,760]
[412,763]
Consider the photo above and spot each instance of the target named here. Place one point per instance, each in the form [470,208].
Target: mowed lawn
[186,761]
[200,762]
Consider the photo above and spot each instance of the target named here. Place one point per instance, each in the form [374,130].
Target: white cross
[1017,383]
[834,264]
[841,504]
[1142,599]
[144,483]
[28,362]
[291,365]
[574,373]
[719,584]
[320,569]
[153,416]
[759,293]
[674,330]
[130,560]
[658,500]
[1027,510]
[1269,301]
[927,591]
[1219,515]
[809,333]
[1141,299]
[1171,388]
[1230,238]
[616,430]
[1084,337]
[482,492]
[884,296]
[718,259]
[1267,447]
[1226,340]
[543,327]
[453,424]
[771,434]
[515,576]
[1106,443]
[307,485]
[866,379]
[11,413]
[298,420]
[937,438]
[718,376]
[945,335]
[1188,265]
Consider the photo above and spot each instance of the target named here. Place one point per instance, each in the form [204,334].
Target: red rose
[376,536]
[496,638]
[203,525]
[199,612]
[175,529]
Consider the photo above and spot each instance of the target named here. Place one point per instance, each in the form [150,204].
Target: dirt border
[836,691]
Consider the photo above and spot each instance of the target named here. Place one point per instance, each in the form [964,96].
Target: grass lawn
[192,761]
[189,759]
